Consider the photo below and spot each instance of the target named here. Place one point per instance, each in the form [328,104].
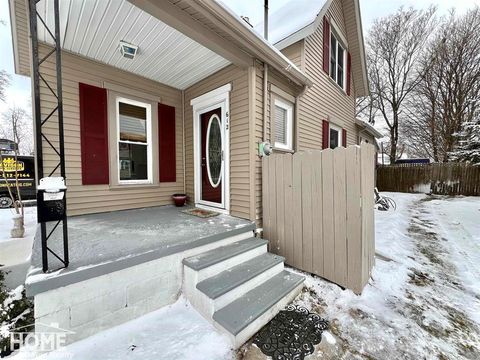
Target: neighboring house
[367,133]
[164,97]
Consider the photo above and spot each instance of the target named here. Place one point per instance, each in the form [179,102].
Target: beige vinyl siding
[83,199]
[22,37]
[240,182]
[324,100]
[274,78]
[365,135]
[295,53]
[351,25]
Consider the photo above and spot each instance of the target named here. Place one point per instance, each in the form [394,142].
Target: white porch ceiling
[94,28]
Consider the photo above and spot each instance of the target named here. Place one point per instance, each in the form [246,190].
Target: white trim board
[217,98]
[148,144]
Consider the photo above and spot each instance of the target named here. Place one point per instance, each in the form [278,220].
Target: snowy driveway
[423,301]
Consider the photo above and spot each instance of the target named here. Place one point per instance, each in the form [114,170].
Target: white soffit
[94,29]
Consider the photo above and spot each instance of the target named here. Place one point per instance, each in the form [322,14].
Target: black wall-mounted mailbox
[50,206]
[51,199]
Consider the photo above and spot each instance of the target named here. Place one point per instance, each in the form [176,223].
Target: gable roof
[298,19]
[291,18]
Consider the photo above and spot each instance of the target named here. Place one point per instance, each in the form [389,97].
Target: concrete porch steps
[222,253]
[242,317]
[228,280]
[239,287]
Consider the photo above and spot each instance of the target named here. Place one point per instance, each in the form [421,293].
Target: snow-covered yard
[174,332]
[423,301]
[15,253]
[6,223]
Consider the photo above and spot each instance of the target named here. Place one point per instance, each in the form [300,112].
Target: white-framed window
[283,124]
[134,138]
[335,136]
[338,61]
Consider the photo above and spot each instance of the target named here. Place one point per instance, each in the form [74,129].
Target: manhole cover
[292,334]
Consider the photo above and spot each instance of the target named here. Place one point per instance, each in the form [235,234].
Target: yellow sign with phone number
[9,165]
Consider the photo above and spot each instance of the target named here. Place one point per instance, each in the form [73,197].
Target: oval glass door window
[214,151]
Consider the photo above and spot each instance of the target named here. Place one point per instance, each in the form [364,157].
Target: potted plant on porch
[179,199]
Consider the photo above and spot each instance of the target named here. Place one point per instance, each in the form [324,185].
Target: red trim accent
[166,143]
[326,45]
[344,138]
[325,134]
[93,134]
[349,72]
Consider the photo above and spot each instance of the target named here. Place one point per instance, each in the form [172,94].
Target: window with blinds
[283,124]
[134,141]
[337,61]
[280,125]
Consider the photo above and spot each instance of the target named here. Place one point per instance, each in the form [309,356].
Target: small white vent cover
[128,50]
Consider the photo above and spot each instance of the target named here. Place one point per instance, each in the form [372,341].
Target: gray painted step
[222,253]
[230,279]
[237,315]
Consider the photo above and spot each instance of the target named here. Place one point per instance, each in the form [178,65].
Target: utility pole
[265,20]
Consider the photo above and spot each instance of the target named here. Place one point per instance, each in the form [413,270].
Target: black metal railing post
[40,136]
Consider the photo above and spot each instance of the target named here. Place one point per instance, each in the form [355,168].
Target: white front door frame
[218,98]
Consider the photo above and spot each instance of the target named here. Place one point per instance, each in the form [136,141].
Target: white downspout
[183,141]
[265,73]
[265,101]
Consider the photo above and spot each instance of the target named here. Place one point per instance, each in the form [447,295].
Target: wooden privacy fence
[441,178]
[318,212]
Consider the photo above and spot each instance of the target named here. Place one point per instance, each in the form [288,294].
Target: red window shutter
[326,45]
[349,72]
[344,138]
[94,134]
[325,134]
[166,143]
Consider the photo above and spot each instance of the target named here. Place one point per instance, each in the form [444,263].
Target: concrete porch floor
[105,242]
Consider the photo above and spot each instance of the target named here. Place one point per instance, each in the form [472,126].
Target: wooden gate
[318,212]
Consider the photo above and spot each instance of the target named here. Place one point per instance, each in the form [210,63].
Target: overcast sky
[19,91]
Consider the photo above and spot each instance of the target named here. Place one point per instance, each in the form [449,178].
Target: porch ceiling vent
[128,50]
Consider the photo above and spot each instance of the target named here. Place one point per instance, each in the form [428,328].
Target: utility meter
[264,149]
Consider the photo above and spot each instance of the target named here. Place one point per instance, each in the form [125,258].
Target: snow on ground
[173,332]
[15,253]
[423,299]
[422,302]
[6,223]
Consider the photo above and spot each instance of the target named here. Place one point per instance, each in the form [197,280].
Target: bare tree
[16,123]
[365,108]
[14,188]
[4,76]
[4,82]
[394,47]
[448,94]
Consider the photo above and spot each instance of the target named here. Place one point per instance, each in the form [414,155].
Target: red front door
[211,143]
